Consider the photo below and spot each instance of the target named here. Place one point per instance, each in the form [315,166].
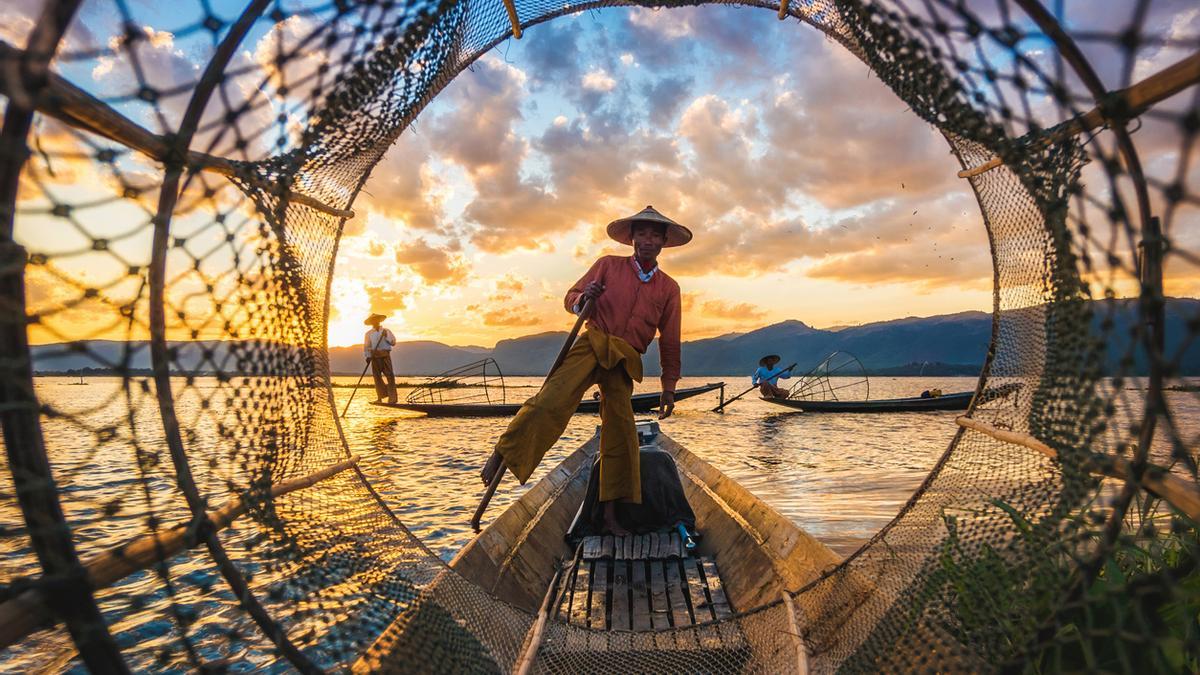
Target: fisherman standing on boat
[377,349]
[766,376]
[632,299]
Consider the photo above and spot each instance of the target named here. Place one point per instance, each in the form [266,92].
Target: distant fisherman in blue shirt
[766,376]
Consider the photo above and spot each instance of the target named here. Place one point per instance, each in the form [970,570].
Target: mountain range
[951,344]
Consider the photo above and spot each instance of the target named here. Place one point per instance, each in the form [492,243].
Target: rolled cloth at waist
[612,351]
[663,502]
[541,420]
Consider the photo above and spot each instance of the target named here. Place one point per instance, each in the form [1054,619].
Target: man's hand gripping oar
[493,471]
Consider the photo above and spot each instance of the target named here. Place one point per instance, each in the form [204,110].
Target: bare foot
[488,472]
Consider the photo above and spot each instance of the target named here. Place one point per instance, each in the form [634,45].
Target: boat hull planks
[956,401]
[666,600]
[761,552]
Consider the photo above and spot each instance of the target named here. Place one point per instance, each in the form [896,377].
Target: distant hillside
[952,344]
[421,357]
[957,338]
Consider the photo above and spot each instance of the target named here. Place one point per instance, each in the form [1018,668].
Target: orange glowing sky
[814,194]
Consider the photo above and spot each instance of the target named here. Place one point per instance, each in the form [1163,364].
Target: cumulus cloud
[660,37]
[726,165]
[554,54]
[598,80]
[519,315]
[477,132]
[509,285]
[18,17]
[742,244]
[508,211]
[665,97]
[739,311]
[160,66]
[404,187]
[850,145]
[940,243]
[434,265]
[386,300]
[669,24]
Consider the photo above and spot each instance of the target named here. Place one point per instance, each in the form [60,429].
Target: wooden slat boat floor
[641,582]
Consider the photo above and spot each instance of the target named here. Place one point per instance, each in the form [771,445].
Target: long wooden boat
[956,401]
[641,403]
[647,593]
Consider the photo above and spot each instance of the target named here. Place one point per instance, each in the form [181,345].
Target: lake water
[839,477]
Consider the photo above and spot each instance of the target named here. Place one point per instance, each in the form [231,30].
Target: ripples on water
[840,477]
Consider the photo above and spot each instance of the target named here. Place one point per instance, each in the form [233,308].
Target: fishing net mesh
[176,227]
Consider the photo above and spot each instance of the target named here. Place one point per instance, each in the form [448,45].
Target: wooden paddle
[502,468]
[364,374]
[720,407]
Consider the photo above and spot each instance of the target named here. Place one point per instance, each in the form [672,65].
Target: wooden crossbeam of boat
[30,611]
[1122,104]
[69,104]
[1179,493]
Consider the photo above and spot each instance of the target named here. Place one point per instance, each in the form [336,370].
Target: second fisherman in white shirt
[377,349]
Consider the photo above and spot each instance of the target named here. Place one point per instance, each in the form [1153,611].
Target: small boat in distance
[642,403]
[956,401]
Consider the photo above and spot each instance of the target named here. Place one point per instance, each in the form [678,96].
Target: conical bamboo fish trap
[210,213]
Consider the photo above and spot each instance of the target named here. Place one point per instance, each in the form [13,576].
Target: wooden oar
[502,468]
[360,377]
[721,407]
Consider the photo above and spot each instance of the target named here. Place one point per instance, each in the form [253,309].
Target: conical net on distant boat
[838,377]
[1058,531]
[479,382]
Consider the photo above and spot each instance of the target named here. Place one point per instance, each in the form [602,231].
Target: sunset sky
[813,193]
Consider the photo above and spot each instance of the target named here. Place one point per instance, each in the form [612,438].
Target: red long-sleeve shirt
[634,310]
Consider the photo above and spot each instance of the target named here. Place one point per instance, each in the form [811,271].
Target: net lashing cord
[230,216]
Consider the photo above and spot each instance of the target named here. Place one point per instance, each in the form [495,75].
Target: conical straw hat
[677,235]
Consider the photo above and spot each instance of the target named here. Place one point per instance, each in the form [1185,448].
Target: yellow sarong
[595,358]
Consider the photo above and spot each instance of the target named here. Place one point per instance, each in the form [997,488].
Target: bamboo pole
[525,663]
[584,312]
[1129,102]
[797,636]
[30,610]
[69,104]
[512,18]
[1179,493]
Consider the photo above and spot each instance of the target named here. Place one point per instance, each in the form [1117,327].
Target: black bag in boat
[663,502]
